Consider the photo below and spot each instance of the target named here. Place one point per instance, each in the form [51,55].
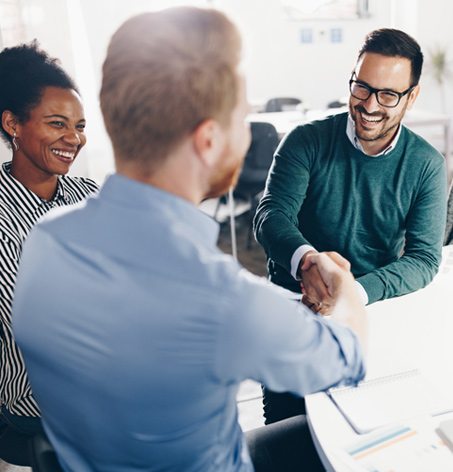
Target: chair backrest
[449,228]
[259,158]
[340,103]
[262,147]
[44,458]
[15,448]
[281,104]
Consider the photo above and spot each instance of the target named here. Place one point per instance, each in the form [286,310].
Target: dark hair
[393,42]
[25,71]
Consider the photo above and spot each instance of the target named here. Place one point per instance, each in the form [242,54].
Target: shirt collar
[135,194]
[350,131]
[32,198]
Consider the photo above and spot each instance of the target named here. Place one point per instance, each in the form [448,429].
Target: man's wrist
[296,259]
[302,262]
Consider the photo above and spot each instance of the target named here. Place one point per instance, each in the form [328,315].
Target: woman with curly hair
[43,123]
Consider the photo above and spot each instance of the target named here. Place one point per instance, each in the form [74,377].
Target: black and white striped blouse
[19,211]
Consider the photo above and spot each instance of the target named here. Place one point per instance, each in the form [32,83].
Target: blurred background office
[293,48]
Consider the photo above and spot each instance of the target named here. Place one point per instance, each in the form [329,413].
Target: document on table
[445,431]
[393,399]
[399,449]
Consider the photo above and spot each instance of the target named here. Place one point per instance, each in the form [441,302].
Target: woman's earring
[16,146]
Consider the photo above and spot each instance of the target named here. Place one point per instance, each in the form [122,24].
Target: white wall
[277,63]
[434,27]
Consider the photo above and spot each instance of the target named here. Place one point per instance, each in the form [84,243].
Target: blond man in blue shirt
[153,328]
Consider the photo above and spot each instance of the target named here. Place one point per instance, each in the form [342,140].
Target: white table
[415,330]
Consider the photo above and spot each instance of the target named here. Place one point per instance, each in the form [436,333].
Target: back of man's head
[395,43]
[164,74]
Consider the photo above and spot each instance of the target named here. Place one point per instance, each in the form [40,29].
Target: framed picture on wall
[325,9]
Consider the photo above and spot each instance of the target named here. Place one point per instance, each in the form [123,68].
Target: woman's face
[54,134]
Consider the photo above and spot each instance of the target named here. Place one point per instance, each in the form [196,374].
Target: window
[325,9]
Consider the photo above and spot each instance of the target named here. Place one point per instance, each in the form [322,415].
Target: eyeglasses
[386,98]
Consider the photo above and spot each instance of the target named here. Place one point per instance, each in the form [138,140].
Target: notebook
[386,400]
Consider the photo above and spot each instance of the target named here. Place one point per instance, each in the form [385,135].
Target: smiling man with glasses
[361,184]
[377,112]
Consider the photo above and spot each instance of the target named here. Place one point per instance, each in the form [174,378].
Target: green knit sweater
[323,191]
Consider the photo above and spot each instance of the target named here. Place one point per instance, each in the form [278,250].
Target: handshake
[329,288]
[323,276]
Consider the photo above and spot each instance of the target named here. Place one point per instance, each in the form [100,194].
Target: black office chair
[15,447]
[43,456]
[282,104]
[449,228]
[340,103]
[258,160]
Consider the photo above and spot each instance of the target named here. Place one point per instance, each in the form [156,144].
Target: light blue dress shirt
[137,330]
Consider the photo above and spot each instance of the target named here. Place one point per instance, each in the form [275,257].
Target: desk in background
[418,118]
[285,121]
[412,331]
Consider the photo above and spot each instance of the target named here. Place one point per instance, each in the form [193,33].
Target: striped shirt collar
[350,131]
[34,201]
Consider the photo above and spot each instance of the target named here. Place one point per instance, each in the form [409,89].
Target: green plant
[440,69]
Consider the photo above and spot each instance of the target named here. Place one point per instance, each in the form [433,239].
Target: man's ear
[9,122]
[208,139]
[413,96]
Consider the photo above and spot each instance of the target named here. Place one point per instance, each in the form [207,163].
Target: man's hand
[315,293]
[335,273]
[331,268]
[315,287]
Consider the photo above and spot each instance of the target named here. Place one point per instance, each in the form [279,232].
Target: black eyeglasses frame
[374,91]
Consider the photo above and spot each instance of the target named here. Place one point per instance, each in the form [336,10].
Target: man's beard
[382,132]
[225,177]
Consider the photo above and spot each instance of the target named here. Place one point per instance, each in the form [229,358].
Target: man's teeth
[372,119]
[69,155]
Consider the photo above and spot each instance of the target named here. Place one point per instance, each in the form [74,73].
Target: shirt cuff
[362,292]
[297,256]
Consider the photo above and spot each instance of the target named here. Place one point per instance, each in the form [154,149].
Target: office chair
[43,456]
[15,447]
[449,228]
[281,104]
[340,103]
[258,160]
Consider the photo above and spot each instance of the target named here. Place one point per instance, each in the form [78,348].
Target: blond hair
[165,73]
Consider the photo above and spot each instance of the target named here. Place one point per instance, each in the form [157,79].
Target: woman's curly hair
[25,72]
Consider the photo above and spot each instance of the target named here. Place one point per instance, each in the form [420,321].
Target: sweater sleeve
[276,223]
[425,227]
